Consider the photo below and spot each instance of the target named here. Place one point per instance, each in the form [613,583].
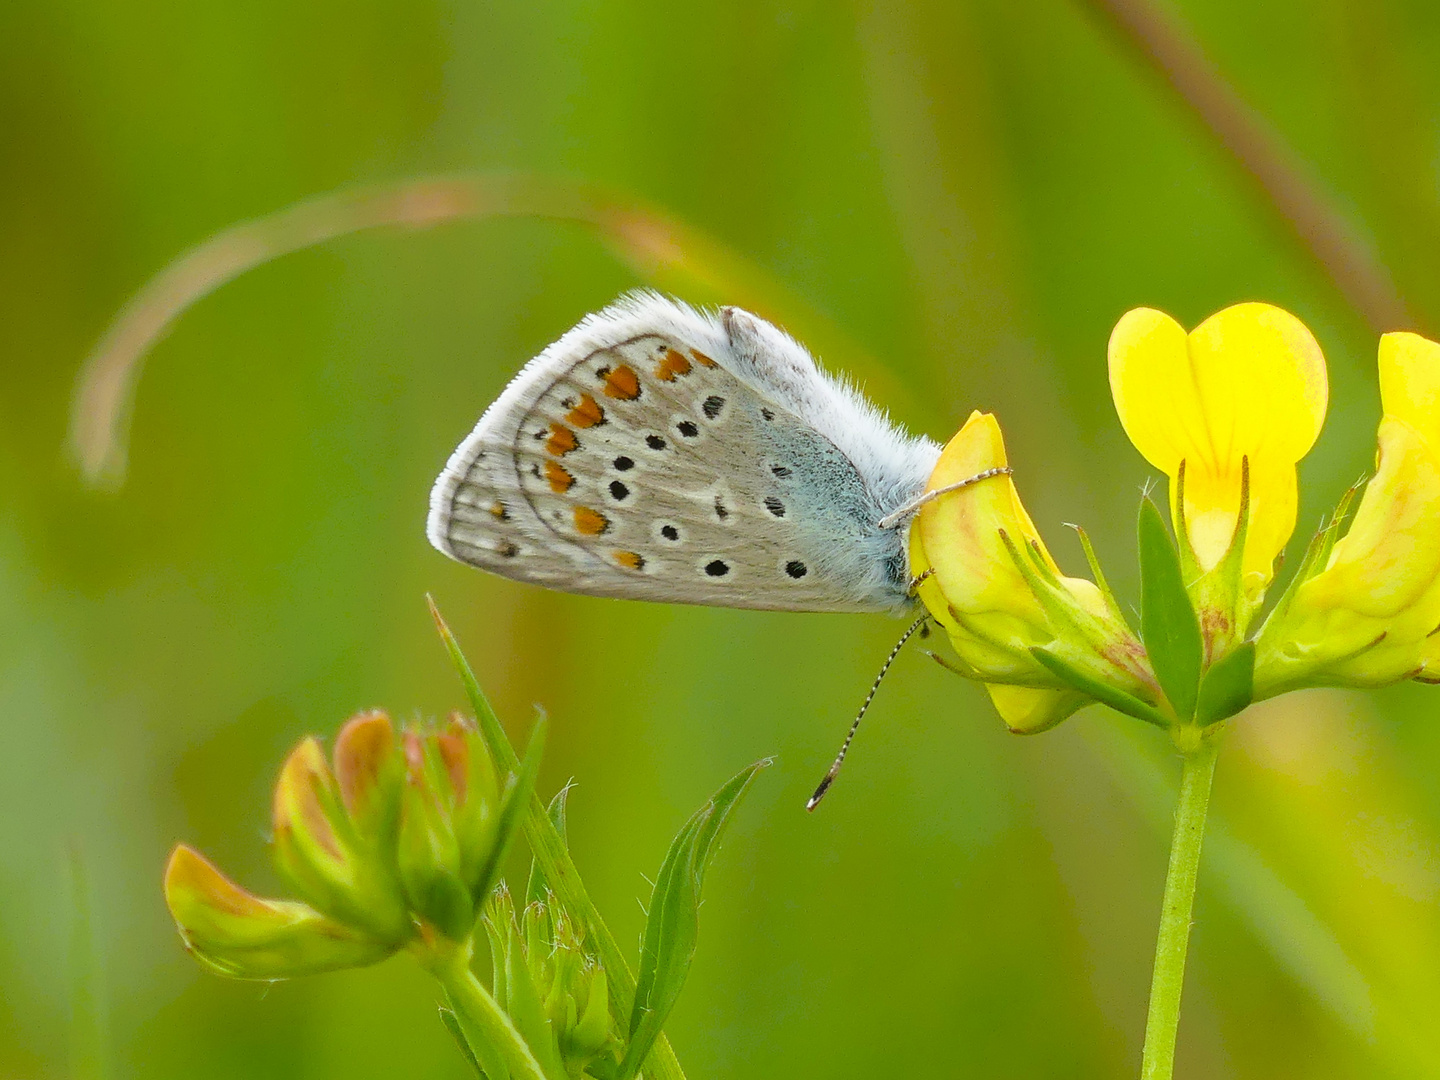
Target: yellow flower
[1247,385]
[989,581]
[1366,615]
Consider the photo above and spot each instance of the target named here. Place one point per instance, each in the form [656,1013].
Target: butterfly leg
[889,521]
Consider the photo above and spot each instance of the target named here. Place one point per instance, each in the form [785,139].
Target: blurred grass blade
[672,925]
[1168,623]
[659,248]
[1318,224]
[1300,942]
[89,1034]
[452,1025]
[549,850]
[1228,686]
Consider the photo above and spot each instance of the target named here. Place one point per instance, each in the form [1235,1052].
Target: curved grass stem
[1163,1020]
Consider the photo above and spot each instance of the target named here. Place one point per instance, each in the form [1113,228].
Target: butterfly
[659,452]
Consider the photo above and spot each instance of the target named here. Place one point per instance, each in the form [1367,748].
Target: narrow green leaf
[1228,686]
[452,1025]
[512,814]
[549,849]
[1119,700]
[673,923]
[1167,619]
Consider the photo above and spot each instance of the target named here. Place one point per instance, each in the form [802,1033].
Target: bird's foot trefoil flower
[1226,412]
[395,844]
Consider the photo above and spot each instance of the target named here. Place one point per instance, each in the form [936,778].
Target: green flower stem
[491,1035]
[1158,1059]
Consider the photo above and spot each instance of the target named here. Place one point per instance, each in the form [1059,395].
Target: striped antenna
[845,746]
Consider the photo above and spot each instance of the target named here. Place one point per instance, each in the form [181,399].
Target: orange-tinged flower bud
[235,933]
[367,768]
[318,848]
[429,853]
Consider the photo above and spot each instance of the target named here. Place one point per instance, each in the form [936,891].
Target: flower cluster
[544,974]
[1226,412]
[399,843]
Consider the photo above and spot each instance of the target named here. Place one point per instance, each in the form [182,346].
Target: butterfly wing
[658,453]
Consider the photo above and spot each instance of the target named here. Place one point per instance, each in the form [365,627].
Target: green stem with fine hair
[1163,1020]
[551,853]
[494,1040]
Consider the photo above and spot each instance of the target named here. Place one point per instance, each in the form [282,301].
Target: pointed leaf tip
[1168,623]
[673,923]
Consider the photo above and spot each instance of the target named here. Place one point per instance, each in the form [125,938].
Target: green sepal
[1111,604]
[1104,692]
[452,1025]
[673,922]
[525,1007]
[1168,624]
[1317,554]
[1189,564]
[1228,687]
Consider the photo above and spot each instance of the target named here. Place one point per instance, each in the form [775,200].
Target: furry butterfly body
[656,452]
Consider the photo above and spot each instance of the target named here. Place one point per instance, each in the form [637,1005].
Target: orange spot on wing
[562,440]
[498,511]
[631,560]
[622,383]
[587,413]
[560,480]
[590,522]
[701,358]
[673,364]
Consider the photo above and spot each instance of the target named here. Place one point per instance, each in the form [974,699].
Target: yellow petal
[974,589]
[1410,382]
[1368,617]
[1249,382]
[1028,710]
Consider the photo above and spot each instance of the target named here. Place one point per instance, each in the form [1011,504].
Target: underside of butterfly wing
[632,459]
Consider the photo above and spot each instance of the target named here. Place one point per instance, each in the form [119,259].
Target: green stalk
[500,1048]
[1158,1060]
[561,875]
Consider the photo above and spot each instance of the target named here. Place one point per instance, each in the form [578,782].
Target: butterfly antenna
[849,738]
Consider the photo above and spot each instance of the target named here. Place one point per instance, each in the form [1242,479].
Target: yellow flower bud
[235,933]
[989,581]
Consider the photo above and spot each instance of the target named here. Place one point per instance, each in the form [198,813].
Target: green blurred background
[972,194]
